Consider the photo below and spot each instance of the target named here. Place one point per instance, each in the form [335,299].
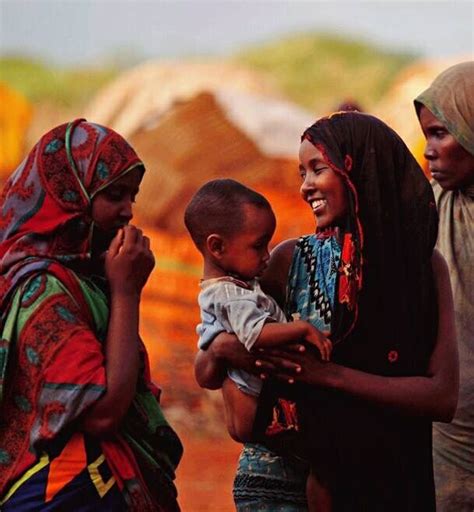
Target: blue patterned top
[312,280]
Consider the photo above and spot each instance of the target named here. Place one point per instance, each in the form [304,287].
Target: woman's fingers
[294,347]
[135,243]
[285,378]
[129,261]
[132,236]
[264,366]
[273,364]
[116,243]
[327,349]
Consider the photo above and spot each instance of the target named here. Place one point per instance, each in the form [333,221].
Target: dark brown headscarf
[392,223]
[385,321]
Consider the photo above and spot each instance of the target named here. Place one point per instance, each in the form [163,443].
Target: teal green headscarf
[450,99]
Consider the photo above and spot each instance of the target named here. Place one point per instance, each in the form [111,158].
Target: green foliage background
[39,81]
[317,71]
[321,71]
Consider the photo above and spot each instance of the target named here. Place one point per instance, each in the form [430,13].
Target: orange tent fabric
[15,117]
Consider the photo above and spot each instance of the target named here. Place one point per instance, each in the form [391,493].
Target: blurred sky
[72,32]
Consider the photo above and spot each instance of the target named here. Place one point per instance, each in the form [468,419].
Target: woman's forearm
[121,366]
[428,396]
[433,395]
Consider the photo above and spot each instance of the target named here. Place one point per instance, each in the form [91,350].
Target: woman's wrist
[122,293]
[326,375]
[331,375]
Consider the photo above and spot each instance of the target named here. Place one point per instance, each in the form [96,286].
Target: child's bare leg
[318,495]
[240,410]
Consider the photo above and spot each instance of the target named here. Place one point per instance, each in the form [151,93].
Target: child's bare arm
[275,334]
[240,410]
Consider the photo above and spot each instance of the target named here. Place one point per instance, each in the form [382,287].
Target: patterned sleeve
[59,370]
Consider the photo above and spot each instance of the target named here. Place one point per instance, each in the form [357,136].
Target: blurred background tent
[195,119]
[15,117]
[192,122]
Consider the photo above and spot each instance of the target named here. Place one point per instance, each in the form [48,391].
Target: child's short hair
[217,208]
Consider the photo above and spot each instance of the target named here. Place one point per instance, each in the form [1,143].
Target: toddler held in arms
[232,225]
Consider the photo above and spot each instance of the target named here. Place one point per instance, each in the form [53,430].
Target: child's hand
[319,340]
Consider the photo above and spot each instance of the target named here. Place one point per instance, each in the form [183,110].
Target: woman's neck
[330,231]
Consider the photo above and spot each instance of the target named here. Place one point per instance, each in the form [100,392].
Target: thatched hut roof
[194,122]
[15,116]
[141,95]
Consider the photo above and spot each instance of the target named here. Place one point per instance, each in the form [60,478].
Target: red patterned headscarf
[46,203]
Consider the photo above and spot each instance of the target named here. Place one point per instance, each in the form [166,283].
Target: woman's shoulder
[39,286]
[273,281]
[282,255]
[284,250]
[47,283]
[39,296]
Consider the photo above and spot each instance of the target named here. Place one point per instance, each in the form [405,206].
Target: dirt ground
[206,472]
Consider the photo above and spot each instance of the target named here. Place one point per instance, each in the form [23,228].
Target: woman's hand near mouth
[129,261]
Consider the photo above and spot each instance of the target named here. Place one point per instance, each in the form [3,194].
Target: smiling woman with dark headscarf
[369,276]
[81,427]
[446,113]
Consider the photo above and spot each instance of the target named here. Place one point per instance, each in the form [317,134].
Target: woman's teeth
[317,204]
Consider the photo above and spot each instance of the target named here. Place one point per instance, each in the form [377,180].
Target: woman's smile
[318,205]
[322,188]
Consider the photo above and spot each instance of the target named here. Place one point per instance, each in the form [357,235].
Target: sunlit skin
[244,254]
[322,188]
[450,164]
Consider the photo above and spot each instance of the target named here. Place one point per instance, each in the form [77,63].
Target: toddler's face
[245,253]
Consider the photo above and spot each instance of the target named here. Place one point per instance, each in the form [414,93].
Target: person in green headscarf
[446,114]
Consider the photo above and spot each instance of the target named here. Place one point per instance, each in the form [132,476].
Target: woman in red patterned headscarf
[81,426]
